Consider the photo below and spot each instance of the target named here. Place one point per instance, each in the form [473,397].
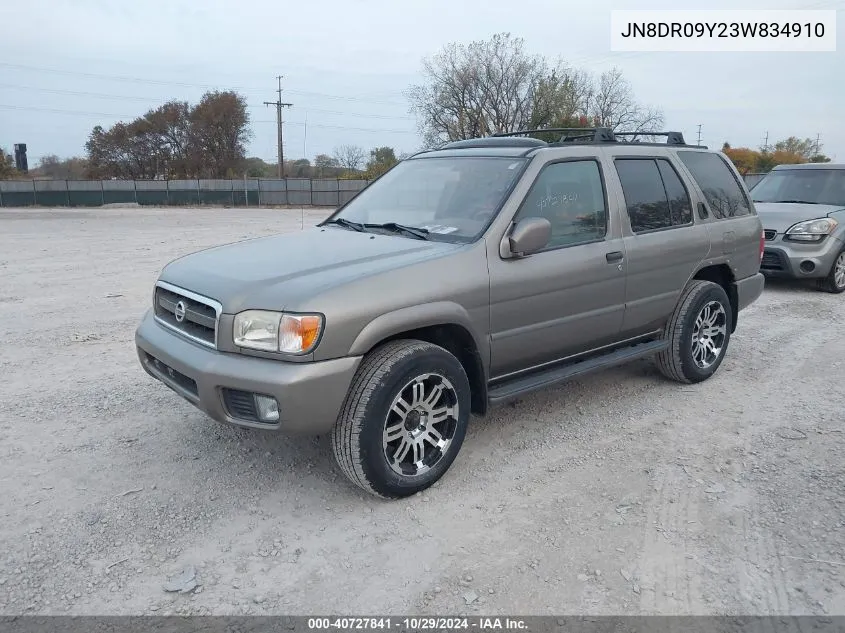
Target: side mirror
[528,236]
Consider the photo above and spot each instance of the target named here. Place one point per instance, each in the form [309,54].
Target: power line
[91,113]
[183,84]
[117,97]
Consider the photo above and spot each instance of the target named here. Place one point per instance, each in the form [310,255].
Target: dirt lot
[620,493]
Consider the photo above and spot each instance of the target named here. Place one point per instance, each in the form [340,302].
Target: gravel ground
[620,493]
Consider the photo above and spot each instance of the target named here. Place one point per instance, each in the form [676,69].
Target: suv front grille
[189,314]
[770,234]
[772,260]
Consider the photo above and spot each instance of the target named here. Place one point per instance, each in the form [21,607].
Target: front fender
[412,318]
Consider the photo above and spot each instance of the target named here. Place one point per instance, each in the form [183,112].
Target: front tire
[403,420]
[835,280]
[698,333]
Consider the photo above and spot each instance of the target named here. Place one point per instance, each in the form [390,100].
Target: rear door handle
[615,256]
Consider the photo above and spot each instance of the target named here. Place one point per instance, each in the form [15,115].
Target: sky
[68,65]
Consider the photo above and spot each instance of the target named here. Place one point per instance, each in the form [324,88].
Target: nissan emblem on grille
[179,312]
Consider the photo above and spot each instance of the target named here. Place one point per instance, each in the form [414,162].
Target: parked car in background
[802,208]
[464,277]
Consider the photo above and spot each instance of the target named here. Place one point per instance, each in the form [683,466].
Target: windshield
[451,198]
[816,186]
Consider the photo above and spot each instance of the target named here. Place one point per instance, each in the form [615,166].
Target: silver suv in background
[464,277]
[802,208]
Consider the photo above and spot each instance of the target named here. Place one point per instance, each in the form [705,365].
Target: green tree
[325,166]
[258,168]
[175,140]
[381,159]
[7,165]
[805,148]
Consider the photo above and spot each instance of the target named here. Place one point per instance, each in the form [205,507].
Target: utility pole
[279,105]
[818,136]
[699,133]
[766,142]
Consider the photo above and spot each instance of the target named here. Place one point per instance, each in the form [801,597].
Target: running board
[521,385]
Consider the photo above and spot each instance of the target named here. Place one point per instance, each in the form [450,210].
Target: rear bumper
[748,290]
[309,395]
[794,260]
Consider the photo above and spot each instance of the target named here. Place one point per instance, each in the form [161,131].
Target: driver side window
[570,196]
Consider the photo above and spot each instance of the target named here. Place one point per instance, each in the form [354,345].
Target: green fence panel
[210,196]
[152,197]
[118,197]
[80,198]
[18,198]
[50,193]
[52,198]
[181,192]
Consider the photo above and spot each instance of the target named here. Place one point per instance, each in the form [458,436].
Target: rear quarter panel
[735,240]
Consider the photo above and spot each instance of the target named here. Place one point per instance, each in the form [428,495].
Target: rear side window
[680,206]
[718,184]
[655,197]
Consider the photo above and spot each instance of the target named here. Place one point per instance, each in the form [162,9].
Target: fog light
[268,408]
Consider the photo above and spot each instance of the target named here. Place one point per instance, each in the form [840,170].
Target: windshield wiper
[794,202]
[349,224]
[413,231]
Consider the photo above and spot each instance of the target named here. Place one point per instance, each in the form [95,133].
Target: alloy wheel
[420,424]
[709,334]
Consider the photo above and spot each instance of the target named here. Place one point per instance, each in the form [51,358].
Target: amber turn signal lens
[298,333]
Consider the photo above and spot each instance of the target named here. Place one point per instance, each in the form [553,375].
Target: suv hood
[779,216]
[280,271]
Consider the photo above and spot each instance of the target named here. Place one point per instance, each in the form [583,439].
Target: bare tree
[612,104]
[51,166]
[562,98]
[476,89]
[350,157]
[484,87]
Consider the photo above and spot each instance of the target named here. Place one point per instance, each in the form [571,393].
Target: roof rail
[595,134]
[672,138]
[494,141]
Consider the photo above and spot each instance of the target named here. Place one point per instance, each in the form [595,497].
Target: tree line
[790,151]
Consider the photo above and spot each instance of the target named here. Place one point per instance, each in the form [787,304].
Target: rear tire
[403,420]
[698,333]
[835,280]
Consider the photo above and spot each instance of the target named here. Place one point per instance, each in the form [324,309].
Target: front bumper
[798,260]
[309,395]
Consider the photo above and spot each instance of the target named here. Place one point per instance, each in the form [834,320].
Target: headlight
[811,230]
[277,332]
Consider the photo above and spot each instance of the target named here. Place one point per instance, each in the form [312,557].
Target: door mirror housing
[528,236]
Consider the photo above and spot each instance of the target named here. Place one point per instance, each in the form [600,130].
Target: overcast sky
[67,65]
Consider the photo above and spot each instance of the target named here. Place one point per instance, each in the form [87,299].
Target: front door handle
[615,256]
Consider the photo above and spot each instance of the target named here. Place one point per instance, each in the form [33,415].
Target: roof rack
[594,134]
[672,138]
[568,135]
